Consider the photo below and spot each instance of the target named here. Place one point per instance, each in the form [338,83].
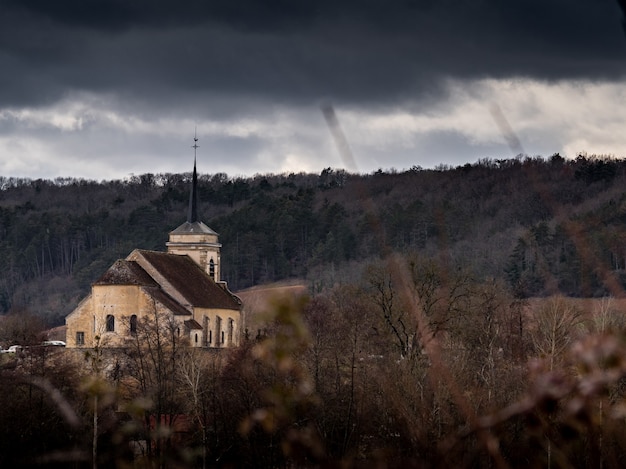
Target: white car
[13,349]
[57,343]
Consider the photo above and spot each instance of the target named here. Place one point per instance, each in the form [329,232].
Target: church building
[183,284]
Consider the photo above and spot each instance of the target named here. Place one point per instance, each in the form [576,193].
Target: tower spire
[192,216]
[193,238]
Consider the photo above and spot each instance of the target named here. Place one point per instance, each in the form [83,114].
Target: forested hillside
[543,225]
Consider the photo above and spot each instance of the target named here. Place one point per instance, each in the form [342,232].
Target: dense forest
[544,225]
[455,317]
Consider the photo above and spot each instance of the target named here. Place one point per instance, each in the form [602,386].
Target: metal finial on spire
[192,216]
[195,144]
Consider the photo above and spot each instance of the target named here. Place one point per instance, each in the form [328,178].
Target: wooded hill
[545,225]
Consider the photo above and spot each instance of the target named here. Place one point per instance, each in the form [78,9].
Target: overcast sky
[103,89]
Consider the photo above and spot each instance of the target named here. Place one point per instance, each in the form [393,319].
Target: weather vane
[195,142]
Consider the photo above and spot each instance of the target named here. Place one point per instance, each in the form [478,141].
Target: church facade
[182,285]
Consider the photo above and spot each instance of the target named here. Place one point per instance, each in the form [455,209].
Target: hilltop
[543,225]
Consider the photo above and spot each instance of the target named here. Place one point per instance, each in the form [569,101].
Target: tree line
[545,224]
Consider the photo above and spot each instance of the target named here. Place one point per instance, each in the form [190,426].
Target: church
[183,284]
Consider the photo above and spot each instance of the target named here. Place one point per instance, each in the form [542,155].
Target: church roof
[181,272]
[193,227]
[124,272]
[190,281]
[193,324]
[170,303]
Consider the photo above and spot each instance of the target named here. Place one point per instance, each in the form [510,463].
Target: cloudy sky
[102,89]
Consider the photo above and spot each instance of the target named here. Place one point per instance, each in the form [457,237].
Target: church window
[205,327]
[210,336]
[133,324]
[80,338]
[212,269]
[222,336]
[218,329]
[196,338]
[110,324]
[231,328]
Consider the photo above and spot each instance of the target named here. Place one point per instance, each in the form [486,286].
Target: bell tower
[193,237]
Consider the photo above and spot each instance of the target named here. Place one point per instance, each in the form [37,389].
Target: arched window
[110,324]
[231,329]
[205,327]
[133,324]
[219,335]
[212,269]
[196,338]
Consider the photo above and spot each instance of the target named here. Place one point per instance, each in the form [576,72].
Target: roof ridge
[126,272]
[189,282]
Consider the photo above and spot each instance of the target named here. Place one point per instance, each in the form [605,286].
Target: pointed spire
[192,216]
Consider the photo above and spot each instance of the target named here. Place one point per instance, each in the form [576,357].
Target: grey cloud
[216,61]
[429,151]
[349,51]
[117,15]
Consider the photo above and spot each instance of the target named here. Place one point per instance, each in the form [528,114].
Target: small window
[210,336]
[222,336]
[133,324]
[196,339]
[212,269]
[110,325]
[80,338]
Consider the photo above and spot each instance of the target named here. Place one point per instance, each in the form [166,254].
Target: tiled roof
[124,272]
[167,301]
[184,275]
[194,227]
[192,324]
[190,280]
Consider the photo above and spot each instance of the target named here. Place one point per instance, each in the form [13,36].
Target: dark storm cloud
[166,54]
[123,14]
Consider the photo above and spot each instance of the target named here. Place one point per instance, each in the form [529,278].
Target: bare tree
[152,363]
[607,318]
[555,329]
[199,375]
